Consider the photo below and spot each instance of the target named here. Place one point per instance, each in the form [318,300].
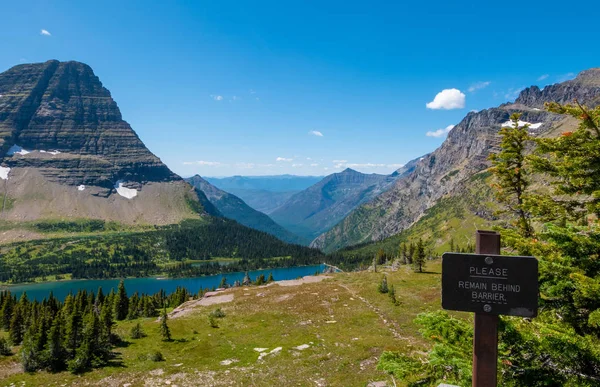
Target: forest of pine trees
[147,253]
[76,334]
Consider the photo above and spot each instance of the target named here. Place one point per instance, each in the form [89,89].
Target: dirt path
[390,324]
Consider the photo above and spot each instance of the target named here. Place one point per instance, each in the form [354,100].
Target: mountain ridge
[463,154]
[232,207]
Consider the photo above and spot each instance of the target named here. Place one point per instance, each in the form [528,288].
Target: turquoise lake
[152,285]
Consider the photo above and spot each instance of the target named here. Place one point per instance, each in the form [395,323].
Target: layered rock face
[464,153]
[61,128]
[63,107]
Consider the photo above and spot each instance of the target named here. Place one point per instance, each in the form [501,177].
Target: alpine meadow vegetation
[557,222]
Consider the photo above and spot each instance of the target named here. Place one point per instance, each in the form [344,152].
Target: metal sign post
[489,284]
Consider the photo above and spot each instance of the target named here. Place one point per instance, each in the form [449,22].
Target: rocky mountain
[232,207]
[463,154]
[264,193]
[319,207]
[66,152]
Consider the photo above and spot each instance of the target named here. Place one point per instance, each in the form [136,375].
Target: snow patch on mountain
[128,193]
[4,173]
[508,124]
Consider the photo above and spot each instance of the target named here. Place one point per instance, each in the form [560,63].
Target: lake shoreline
[153,284]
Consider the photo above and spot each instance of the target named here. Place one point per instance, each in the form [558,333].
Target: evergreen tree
[4,347]
[511,173]
[381,257]
[133,312]
[121,302]
[403,253]
[260,280]
[73,331]
[29,355]
[17,326]
[392,294]
[107,322]
[246,281]
[223,283]
[420,256]
[54,351]
[270,279]
[165,332]
[411,253]
[383,285]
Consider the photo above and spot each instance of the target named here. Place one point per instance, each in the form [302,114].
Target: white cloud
[316,133]
[339,161]
[283,159]
[203,163]
[314,165]
[542,77]
[448,99]
[513,93]
[395,165]
[565,77]
[365,165]
[440,132]
[245,165]
[478,86]
[45,32]
[216,97]
[296,165]
[309,158]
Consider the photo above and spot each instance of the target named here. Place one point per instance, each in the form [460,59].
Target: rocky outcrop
[62,107]
[464,153]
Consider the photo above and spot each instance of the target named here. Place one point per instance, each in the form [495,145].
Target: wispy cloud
[216,97]
[316,133]
[448,99]
[395,165]
[45,32]
[204,163]
[340,161]
[314,165]
[565,77]
[296,165]
[440,132]
[478,86]
[542,77]
[283,159]
[513,93]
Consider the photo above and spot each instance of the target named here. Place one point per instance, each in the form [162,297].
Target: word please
[490,271]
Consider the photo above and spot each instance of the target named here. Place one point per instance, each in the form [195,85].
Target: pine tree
[260,280]
[29,355]
[54,351]
[420,256]
[246,281]
[383,285]
[223,283]
[121,302]
[411,253]
[73,332]
[6,312]
[4,347]
[392,294]
[107,322]
[165,332]
[403,253]
[270,279]
[17,326]
[133,312]
[509,168]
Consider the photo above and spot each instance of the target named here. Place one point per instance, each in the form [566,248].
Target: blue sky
[221,88]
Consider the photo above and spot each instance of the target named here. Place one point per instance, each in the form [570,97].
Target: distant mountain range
[316,209]
[264,193]
[232,207]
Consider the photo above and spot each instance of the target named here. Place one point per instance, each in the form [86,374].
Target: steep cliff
[463,154]
[66,152]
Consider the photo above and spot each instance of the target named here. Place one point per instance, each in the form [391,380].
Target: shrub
[156,356]
[383,286]
[137,332]
[4,347]
[218,313]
